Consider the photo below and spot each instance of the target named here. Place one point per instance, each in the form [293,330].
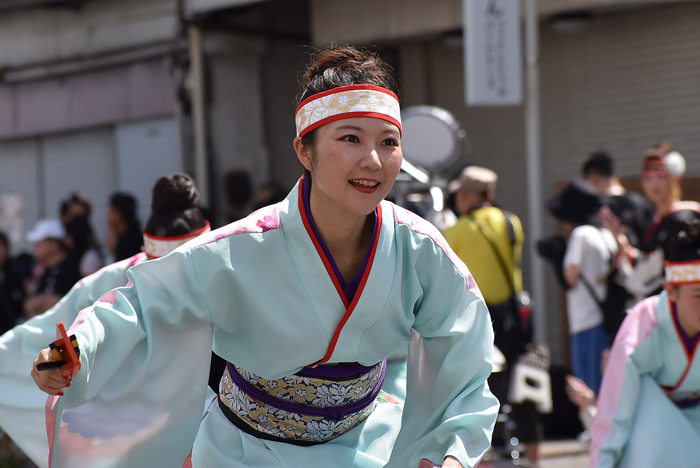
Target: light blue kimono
[257,293]
[22,414]
[638,425]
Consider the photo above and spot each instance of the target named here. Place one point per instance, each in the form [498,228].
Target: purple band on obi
[338,371]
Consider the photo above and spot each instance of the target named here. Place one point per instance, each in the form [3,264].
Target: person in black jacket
[11,291]
[125,237]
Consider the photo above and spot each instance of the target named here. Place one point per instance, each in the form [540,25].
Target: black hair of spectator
[174,210]
[75,198]
[82,235]
[125,204]
[239,187]
[273,192]
[599,163]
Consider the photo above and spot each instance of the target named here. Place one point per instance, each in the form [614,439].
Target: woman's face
[353,164]
[656,186]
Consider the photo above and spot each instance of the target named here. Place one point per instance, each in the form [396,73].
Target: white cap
[47,229]
[675,163]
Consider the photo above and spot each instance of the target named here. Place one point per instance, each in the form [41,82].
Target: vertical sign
[492,52]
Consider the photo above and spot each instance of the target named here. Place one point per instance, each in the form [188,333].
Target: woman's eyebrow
[349,127]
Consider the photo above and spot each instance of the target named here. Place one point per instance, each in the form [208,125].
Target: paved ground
[555,454]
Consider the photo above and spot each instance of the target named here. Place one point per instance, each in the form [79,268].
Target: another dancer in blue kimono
[649,402]
[305,299]
[174,220]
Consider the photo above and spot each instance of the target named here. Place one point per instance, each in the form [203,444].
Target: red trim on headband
[689,262]
[341,89]
[349,115]
[177,238]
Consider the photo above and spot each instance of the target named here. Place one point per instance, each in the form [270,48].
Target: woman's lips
[364,185]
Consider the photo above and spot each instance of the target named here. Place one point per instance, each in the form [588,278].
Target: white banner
[492,52]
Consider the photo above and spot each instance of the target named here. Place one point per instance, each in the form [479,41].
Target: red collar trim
[350,307]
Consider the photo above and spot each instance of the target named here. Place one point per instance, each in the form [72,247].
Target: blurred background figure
[270,193]
[175,219]
[82,245]
[489,241]
[124,237]
[239,193]
[60,270]
[631,208]
[587,263]
[11,290]
[75,205]
[642,267]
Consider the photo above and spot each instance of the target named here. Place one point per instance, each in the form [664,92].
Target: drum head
[432,138]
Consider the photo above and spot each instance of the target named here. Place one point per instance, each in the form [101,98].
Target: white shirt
[589,248]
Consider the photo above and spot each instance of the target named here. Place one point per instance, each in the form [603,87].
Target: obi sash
[684,400]
[311,407]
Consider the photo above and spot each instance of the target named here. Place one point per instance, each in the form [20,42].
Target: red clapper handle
[67,348]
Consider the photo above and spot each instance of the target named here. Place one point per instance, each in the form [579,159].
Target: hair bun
[174,193]
[341,65]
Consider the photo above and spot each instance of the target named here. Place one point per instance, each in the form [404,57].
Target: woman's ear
[671,291]
[303,153]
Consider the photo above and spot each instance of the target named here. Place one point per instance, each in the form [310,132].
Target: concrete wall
[97,27]
[135,91]
[371,21]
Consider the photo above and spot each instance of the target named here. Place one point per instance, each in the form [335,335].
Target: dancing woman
[304,299]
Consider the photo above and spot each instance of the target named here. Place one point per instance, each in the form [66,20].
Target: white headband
[156,247]
[347,102]
[683,272]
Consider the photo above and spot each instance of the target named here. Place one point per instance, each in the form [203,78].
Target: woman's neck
[346,235]
[662,208]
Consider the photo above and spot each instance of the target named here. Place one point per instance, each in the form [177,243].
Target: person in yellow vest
[489,241]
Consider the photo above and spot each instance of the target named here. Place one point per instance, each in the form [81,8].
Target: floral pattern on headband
[344,102]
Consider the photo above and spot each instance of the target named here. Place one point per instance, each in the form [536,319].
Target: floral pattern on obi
[311,392]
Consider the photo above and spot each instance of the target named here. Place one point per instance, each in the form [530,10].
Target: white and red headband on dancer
[672,163]
[678,273]
[347,102]
[156,247]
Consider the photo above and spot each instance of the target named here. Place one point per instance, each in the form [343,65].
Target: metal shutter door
[83,162]
[145,152]
[18,176]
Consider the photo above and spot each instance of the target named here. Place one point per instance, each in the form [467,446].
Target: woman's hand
[49,381]
[451,462]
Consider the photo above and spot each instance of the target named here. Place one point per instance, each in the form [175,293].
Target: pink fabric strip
[638,325]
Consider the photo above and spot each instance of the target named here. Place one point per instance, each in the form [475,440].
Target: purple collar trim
[688,342]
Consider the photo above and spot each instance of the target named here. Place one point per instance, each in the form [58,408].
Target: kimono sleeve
[145,348]
[449,409]
[631,357]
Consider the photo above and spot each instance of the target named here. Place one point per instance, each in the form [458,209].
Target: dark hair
[684,242]
[83,237]
[342,65]
[6,241]
[75,198]
[661,148]
[239,188]
[125,204]
[174,210]
[599,163]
